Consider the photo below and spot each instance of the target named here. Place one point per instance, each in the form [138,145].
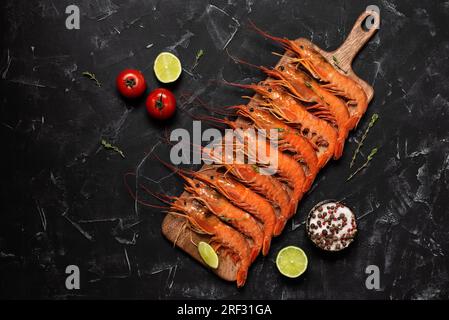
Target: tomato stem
[159,103]
[130,82]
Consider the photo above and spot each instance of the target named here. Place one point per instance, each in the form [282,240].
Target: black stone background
[63,199]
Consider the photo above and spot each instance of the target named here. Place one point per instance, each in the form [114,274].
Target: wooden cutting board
[172,227]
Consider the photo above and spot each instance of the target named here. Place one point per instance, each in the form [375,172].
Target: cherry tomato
[161,104]
[131,83]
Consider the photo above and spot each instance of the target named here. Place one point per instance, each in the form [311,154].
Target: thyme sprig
[337,64]
[92,77]
[368,159]
[374,118]
[109,146]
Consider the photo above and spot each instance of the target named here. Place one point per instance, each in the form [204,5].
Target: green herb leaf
[337,64]
[371,154]
[374,118]
[199,54]
[368,159]
[309,85]
[92,77]
[256,168]
[109,146]
[225,219]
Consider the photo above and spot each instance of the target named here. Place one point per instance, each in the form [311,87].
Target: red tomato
[131,83]
[161,104]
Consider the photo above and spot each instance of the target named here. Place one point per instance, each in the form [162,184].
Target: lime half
[291,261]
[208,254]
[167,67]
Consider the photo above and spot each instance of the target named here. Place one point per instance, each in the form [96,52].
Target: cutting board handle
[357,38]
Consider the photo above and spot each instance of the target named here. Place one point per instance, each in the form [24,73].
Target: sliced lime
[208,254]
[167,67]
[291,261]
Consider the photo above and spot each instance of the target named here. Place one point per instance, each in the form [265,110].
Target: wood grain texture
[173,226]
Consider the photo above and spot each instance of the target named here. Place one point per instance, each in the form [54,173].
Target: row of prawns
[312,106]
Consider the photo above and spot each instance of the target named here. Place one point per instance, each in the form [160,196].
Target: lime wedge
[167,67]
[291,261]
[208,254]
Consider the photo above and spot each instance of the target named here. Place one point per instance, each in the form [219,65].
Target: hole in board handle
[371,21]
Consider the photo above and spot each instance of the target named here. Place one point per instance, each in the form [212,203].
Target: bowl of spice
[331,226]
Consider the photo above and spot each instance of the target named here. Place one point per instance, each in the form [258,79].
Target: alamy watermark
[73,20]
[372,282]
[236,146]
[72,282]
